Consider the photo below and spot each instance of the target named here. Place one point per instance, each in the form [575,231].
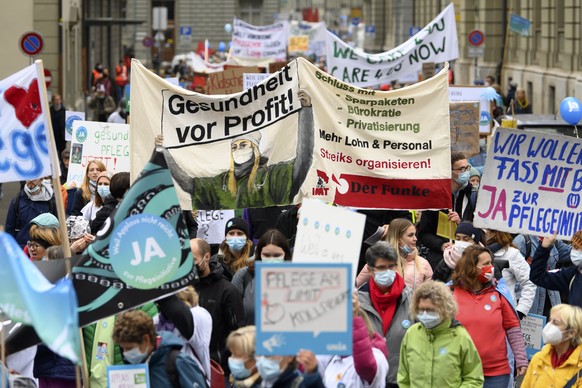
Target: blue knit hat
[468,229]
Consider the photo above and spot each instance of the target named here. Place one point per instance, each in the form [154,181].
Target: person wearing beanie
[235,250]
[465,235]
[247,178]
[474,178]
[567,279]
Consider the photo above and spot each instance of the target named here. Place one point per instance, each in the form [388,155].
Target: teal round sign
[81,134]
[145,251]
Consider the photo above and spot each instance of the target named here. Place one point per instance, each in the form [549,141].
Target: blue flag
[26,296]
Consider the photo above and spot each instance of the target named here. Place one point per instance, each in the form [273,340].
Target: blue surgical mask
[273,259]
[268,368]
[103,191]
[429,320]
[385,278]
[237,368]
[134,356]
[463,178]
[576,257]
[92,183]
[236,243]
[406,250]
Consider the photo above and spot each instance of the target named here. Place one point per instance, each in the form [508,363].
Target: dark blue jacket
[19,227]
[558,281]
[185,365]
[48,364]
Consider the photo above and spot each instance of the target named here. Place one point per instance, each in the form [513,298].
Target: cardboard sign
[298,44]
[531,328]
[93,140]
[464,127]
[126,376]
[303,306]
[328,234]
[211,224]
[531,184]
[228,81]
[474,93]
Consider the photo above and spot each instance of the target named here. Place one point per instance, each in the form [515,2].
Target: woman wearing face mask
[91,209]
[385,298]
[414,269]
[488,315]
[236,249]
[272,248]
[36,197]
[242,363]
[136,335]
[422,347]
[515,272]
[558,363]
[566,279]
[88,189]
[465,235]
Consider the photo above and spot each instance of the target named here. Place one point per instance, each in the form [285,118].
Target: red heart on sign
[26,103]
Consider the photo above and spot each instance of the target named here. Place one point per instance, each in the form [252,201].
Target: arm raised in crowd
[178,313]
[560,280]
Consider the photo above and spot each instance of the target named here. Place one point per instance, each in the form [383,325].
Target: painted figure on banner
[250,181]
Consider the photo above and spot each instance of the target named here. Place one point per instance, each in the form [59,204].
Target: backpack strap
[16,209]
[527,248]
[171,368]
[573,380]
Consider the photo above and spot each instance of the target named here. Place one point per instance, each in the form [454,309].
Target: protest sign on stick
[124,376]
[303,306]
[328,234]
[465,127]
[474,93]
[531,328]
[531,184]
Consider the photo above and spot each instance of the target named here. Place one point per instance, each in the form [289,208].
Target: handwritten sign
[531,328]
[328,234]
[106,142]
[298,44]
[303,306]
[252,79]
[128,376]
[211,224]
[228,81]
[465,127]
[531,184]
[70,118]
[474,93]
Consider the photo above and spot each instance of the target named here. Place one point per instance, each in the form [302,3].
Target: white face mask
[576,257]
[551,334]
[460,246]
[244,155]
[273,259]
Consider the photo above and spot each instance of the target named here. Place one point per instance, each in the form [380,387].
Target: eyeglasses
[463,169]
[32,245]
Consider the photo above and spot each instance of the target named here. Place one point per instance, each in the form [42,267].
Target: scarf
[385,304]
[557,361]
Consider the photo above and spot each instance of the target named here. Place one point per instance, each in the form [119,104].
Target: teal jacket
[444,356]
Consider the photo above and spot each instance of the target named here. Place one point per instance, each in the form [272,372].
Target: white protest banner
[125,376]
[24,142]
[265,146]
[303,306]
[251,79]
[211,224]
[436,42]
[94,140]
[250,41]
[70,118]
[376,149]
[474,93]
[531,328]
[531,184]
[315,33]
[328,234]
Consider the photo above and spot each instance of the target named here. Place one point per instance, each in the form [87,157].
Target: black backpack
[199,381]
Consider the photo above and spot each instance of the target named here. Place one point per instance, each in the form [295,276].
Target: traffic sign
[148,41]
[475,52]
[186,30]
[476,38]
[48,77]
[31,43]
[413,30]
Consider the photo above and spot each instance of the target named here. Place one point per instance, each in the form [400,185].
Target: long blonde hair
[252,176]
[396,230]
[86,186]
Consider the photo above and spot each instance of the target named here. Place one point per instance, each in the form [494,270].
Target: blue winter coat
[20,228]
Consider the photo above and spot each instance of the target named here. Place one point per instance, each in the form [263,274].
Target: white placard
[251,79]
[474,93]
[211,224]
[328,234]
